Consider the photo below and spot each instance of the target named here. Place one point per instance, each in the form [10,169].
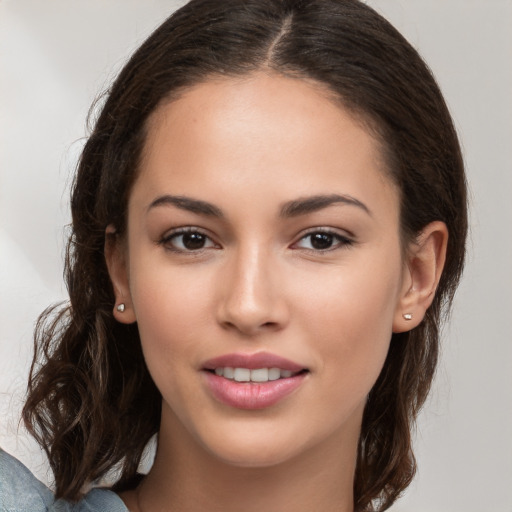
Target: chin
[256,445]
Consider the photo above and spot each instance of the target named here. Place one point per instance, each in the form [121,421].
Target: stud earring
[120,308]
[407,316]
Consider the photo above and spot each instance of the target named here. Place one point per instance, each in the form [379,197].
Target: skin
[248,147]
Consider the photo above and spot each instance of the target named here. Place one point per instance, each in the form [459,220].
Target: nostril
[249,328]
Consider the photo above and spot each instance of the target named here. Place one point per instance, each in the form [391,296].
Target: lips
[253,362]
[252,381]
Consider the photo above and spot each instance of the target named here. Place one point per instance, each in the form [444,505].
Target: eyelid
[167,237]
[344,239]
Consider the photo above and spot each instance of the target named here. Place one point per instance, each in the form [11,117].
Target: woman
[268,224]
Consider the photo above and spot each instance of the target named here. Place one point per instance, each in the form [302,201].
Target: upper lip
[252,362]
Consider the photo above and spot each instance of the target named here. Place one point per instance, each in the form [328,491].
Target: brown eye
[193,241]
[323,241]
[187,241]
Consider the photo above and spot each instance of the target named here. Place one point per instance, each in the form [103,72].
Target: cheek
[349,315]
[171,310]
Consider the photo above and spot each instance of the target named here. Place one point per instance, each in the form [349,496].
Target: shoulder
[21,491]
[97,500]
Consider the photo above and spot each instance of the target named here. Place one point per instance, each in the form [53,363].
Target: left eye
[322,241]
[188,241]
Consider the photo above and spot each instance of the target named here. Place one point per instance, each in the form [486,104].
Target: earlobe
[424,265]
[115,257]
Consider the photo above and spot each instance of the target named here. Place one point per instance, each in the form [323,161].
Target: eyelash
[339,241]
[167,239]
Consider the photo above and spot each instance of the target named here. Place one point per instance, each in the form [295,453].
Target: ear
[117,265]
[422,270]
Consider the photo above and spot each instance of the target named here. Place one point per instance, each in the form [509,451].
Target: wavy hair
[91,402]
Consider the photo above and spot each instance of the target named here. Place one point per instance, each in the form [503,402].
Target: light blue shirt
[21,491]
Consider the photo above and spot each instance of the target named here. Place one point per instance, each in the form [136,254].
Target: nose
[251,294]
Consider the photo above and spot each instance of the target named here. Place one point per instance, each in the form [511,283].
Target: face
[263,243]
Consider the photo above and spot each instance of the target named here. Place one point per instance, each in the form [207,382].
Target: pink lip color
[252,361]
[252,395]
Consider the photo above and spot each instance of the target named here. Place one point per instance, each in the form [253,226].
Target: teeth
[229,373]
[274,373]
[242,374]
[257,375]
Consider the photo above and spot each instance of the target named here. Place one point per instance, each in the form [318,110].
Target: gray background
[56,55]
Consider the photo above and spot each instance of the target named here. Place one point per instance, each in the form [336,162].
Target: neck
[186,478]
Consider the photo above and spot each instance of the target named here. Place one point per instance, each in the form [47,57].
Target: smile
[255,375]
[252,381]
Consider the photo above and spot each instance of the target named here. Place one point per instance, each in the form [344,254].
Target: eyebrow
[293,208]
[189,204]
[315,203]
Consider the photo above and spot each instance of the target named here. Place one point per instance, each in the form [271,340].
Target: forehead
[235,134]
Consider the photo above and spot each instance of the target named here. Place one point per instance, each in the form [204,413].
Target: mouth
[252,381]
[257,375]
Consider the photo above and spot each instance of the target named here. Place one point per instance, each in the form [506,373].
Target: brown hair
[91,402]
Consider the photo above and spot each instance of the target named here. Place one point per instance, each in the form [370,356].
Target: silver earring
[407,316]
[120,308]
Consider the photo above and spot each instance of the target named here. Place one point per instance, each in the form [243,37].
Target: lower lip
[252,395]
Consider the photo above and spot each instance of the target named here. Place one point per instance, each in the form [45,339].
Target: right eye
[187,240]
